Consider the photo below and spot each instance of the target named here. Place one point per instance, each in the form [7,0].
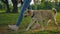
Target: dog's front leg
[40,20]
[31,23]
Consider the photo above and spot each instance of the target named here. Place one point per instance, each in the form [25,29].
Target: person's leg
[29,7]
[24,7]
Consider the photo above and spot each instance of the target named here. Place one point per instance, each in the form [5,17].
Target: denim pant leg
[24,7]
[29,7]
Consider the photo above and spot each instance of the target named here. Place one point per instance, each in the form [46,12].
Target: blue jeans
[29,8]
[23,8]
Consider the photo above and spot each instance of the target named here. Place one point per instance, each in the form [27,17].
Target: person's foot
[13,27]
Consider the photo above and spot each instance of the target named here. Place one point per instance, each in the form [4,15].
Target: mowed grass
[11,18]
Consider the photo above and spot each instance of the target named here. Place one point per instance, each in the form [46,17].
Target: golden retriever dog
[40,15]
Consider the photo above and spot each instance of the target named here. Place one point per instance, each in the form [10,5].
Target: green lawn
[11,18]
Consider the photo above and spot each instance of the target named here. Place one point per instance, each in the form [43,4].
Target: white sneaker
[13,27]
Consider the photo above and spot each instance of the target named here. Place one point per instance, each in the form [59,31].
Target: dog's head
[28,13]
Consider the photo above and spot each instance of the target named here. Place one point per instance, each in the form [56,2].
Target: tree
[1,5]
[7,5]
[15,8]
[57,5]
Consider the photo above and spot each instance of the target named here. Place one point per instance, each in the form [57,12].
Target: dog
[40,15]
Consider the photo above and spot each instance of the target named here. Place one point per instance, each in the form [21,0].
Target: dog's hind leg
[55,23]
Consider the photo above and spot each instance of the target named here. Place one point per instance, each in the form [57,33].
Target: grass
[11,18]
[58,17]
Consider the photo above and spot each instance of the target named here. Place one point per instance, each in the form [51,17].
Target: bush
[45,6]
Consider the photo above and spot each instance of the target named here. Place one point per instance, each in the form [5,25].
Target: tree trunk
[7,5]
[15,8]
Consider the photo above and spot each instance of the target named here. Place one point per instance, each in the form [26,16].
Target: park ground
[11,18]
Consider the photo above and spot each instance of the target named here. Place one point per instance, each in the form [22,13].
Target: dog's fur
[40,15]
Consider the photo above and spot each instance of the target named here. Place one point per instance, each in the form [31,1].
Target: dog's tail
[54,10]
